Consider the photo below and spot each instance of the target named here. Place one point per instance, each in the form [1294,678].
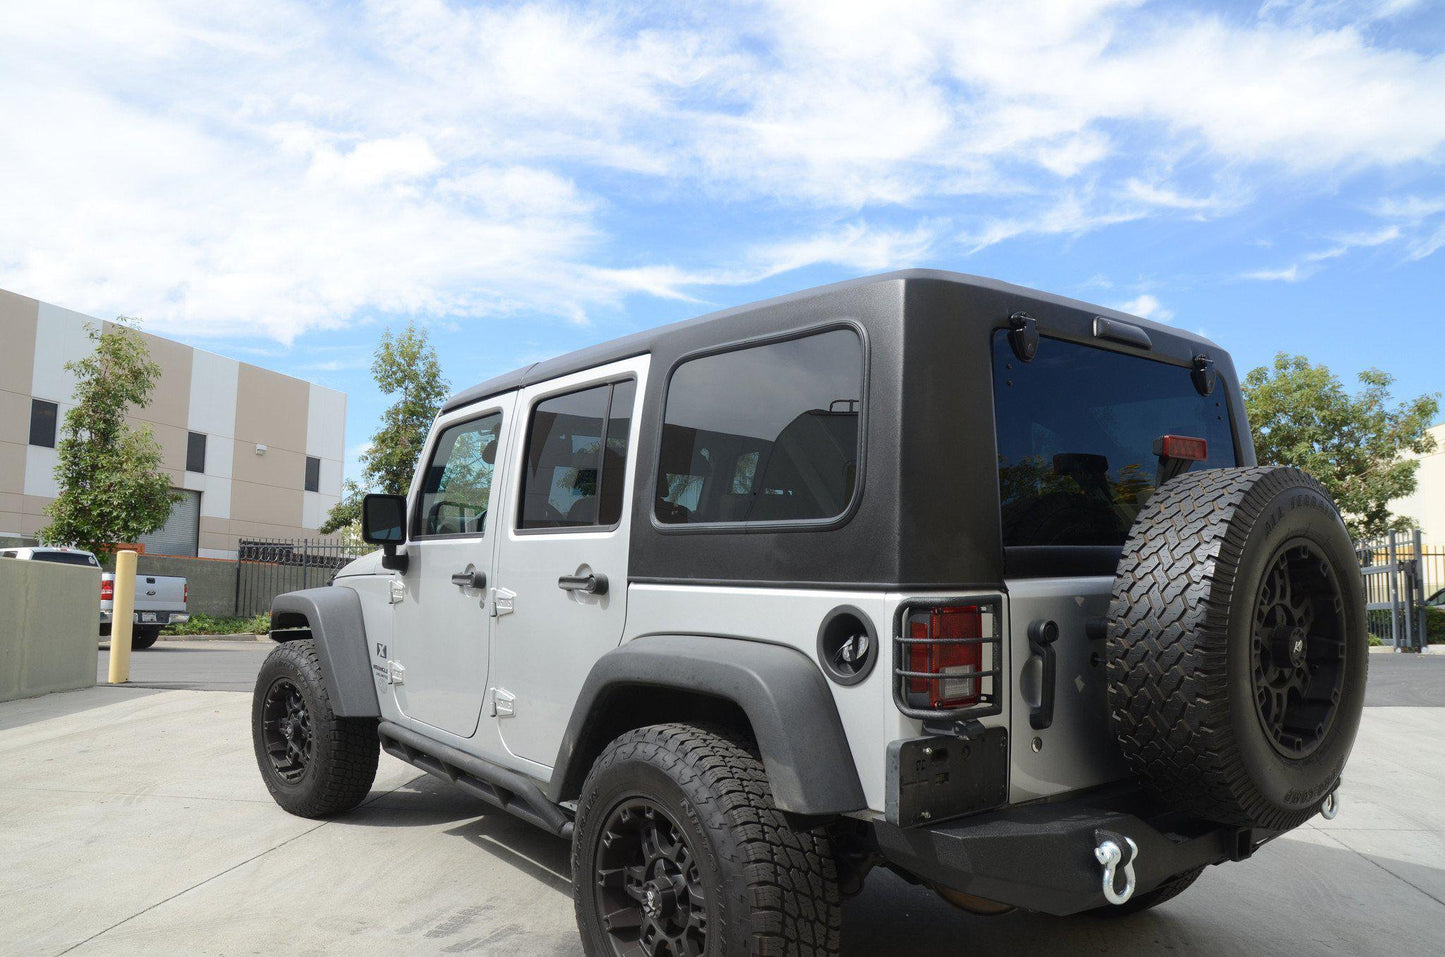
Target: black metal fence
[1400,575]
[267,567]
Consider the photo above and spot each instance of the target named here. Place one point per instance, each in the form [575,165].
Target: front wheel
[679,850]
[314,763]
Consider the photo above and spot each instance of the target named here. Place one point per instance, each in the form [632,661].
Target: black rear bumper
[1041,856]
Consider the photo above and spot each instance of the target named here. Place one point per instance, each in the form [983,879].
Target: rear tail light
[107,590]
[186,593]
[947,660]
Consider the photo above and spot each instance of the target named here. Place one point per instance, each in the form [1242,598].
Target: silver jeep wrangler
[924,571]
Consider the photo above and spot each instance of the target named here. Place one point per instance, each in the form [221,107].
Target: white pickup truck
[160,600]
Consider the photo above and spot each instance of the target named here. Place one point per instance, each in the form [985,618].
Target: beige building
[253,453]
[1427,505]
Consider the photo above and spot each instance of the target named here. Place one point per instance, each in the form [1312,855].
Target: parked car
[922,571]
[160,600]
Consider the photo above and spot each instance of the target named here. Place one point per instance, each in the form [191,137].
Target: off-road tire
[1181,651]
[1166,891]
[344,751]
[770,885]
[143,638]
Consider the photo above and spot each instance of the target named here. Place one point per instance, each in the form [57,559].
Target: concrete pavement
[134,821]
[194,665]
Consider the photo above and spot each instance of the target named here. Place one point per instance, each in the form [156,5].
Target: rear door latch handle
[1042,635]
[470,577]
[592,584]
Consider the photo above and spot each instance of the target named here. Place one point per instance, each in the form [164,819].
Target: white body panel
[441,630]
[543,650]
[792,617]
[1077,750]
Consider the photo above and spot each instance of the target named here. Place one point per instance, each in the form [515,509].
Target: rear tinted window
[65,558]
[764,434]
[1076,430]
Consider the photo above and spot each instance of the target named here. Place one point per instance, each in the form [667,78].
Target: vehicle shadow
[427,800]
[1287,900]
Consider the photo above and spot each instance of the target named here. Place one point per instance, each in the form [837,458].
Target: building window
[195,452]
[42,423]
[313,474]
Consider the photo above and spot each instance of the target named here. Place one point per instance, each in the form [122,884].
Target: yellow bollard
[122,616]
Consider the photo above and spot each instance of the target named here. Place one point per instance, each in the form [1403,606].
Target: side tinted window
[575,467]
[457,486]
[764,434]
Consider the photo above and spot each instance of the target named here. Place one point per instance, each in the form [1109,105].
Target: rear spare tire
[1236,646]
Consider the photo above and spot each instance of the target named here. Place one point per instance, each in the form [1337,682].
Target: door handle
[593,584]
[1042,635]
[470,577]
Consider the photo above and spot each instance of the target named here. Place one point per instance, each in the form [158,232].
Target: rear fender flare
[781,691]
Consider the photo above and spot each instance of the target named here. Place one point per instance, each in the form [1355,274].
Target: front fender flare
[333,617]
[783,693]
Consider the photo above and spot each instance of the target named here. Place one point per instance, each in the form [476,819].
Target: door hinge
[398,591]
[395,673]
[502,602]
[503,703]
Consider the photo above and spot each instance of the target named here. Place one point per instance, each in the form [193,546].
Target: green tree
[112,487]
[1356,445]
[405,366]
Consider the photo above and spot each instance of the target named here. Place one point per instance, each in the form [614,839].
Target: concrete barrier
[49,623]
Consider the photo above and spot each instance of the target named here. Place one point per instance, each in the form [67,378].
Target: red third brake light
[107,591]
[943,648]
[1183,447]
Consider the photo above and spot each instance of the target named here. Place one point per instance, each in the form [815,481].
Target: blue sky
[281,181]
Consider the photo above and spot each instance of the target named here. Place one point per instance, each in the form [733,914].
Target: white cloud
[1148,306]
[282,166]
[1287,274]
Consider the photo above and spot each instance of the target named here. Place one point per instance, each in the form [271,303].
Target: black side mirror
[383,522]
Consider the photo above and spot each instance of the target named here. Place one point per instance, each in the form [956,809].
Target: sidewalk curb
[240,636]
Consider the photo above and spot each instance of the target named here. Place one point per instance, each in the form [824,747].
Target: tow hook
[1330,806]
[1112,855]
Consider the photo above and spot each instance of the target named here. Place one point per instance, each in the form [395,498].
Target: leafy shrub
[218,625]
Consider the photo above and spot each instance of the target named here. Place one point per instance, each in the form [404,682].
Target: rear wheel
[143,638]
[679,850]
[314,763]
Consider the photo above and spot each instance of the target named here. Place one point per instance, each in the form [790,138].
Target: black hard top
[714,327]
[926,514]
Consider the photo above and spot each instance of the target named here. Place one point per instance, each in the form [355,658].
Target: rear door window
[768,433]
[1076,430]
[576,460]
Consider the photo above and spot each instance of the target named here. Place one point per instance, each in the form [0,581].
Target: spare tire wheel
[1236,646]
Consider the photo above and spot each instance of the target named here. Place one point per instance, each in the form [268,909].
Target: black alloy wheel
[286,730]
[1298,650]
[650,885]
